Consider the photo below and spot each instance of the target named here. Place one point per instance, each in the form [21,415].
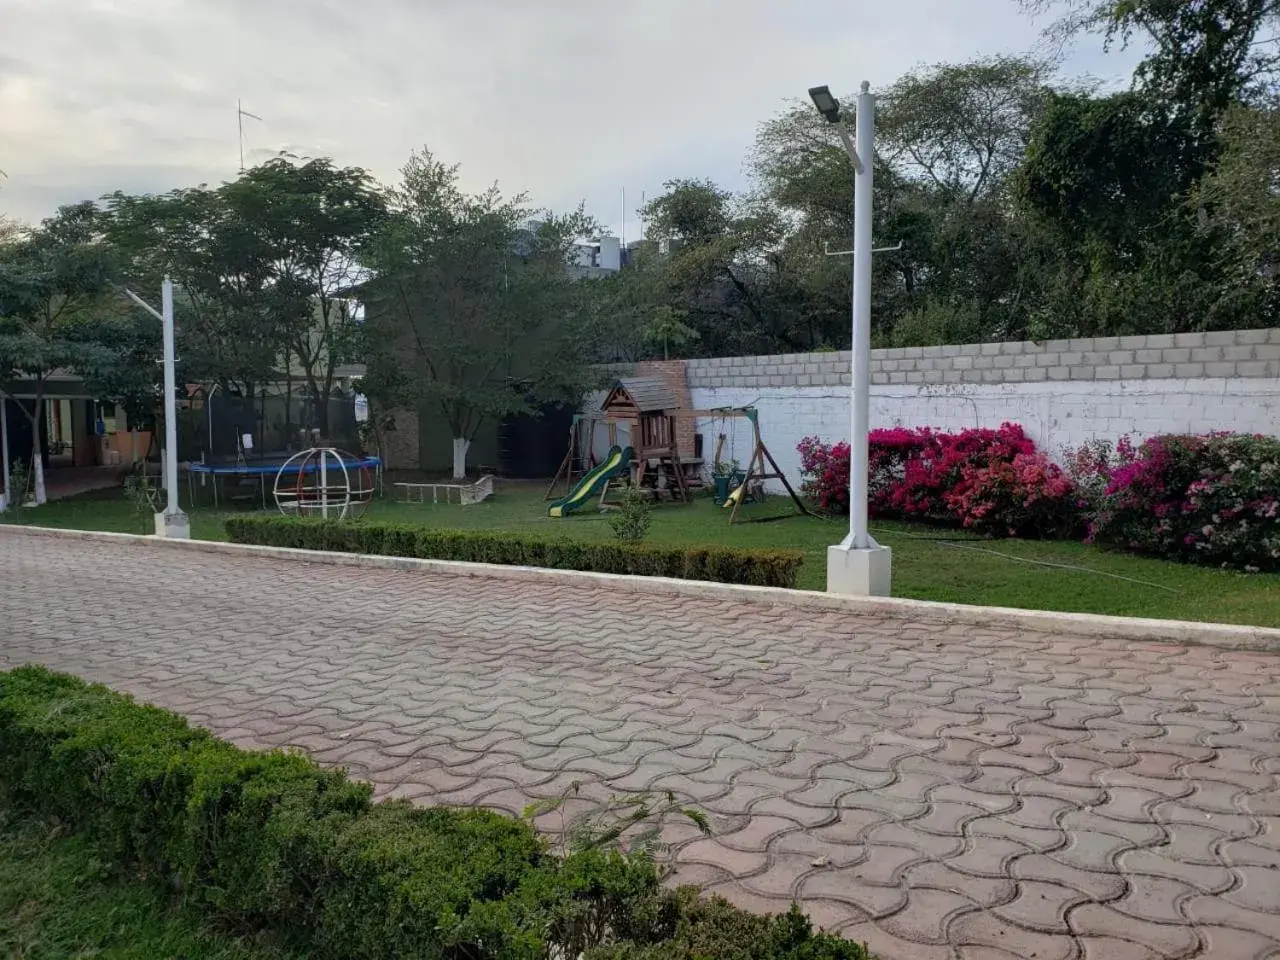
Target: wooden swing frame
[565,470]
[756,471]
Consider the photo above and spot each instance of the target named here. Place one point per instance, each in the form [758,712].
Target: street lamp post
[172,522]
[858,565]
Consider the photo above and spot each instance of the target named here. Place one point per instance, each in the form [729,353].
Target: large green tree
[313,221]
[1238,206]
[949,138]
[472,309]
[1205,54]
[53,284]
[718,267]
[233,323]
[264,266]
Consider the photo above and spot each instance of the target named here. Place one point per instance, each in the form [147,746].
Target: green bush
[630,521]
[1203,499]
[710,928]
[271,842]
[764,568]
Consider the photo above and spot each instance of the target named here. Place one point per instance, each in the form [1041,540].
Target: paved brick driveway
[937,791]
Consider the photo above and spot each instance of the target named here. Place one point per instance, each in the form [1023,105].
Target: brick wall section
[401,444]
[1227,354]
[674,373]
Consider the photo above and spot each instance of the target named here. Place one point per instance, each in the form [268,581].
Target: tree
[963,127]
[471,307]
[1207,53]
[313,220]
[1240,200]
[949,138]
[720,268]
[263,267]
[1107,169]
[51,281]
[232,320]
[667,329]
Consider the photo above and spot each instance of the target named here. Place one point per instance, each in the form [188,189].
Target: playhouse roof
[646,394]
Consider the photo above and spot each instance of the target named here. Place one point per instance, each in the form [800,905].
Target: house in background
[83,441]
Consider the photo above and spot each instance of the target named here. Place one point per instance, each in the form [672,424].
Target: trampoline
[264,471]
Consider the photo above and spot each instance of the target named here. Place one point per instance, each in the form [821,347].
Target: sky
[570,101]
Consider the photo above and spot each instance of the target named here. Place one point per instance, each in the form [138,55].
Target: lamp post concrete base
[859,572]
[174,526]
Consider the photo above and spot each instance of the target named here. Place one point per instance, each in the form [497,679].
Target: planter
[725,484]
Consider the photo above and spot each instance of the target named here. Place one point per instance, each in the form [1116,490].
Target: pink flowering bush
[1207,499]
[825,472]
[961,478]
[1028,496]
[937,463]
[1090,468]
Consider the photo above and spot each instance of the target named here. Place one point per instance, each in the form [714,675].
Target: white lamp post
[172,523]
[858,565]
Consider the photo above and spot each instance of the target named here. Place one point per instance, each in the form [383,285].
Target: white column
[173,522]
[858,565]
[860,382]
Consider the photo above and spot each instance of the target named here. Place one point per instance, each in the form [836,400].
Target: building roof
[647,393]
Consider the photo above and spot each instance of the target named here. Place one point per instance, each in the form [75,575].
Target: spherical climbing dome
[324,482]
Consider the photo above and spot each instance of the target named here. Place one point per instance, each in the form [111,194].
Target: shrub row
[765,568]
[269,841]
[1208,499]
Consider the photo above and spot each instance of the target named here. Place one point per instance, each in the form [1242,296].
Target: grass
[928,563]
[59,899]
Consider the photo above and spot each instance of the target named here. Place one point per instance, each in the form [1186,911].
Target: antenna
[624,218]
[241,113]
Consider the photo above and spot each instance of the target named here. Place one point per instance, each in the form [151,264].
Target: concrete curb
[1225,635]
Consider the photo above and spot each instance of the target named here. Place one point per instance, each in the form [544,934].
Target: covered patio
[84,442]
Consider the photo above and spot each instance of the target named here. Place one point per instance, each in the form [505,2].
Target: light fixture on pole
[858,565]
[172,522]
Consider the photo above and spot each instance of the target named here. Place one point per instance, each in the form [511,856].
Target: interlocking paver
[935,790]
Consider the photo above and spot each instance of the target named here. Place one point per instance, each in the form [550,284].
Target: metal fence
[213,425]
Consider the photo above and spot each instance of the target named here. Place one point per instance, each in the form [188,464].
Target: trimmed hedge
[269,841]
[764,568]
[710,927]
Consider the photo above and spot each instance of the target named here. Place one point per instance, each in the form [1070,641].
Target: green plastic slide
[617,462]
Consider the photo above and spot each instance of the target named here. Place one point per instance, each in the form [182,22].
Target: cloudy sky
[567,99]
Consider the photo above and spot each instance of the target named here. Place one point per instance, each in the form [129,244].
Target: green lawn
[60,899]
[928,563]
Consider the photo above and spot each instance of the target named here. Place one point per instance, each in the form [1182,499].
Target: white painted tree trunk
[37,464]
[460,445]
[7,478]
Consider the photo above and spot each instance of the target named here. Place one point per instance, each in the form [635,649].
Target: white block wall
[1062,392]
[1058,416]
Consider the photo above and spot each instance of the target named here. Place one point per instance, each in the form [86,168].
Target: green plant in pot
[727,476]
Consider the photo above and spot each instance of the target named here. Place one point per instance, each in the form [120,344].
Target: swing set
[760,467]
[657,466]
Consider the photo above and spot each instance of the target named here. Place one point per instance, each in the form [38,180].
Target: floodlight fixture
[827,105]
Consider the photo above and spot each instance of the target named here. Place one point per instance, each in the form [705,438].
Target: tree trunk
[6,477]
[288,398]
[460,445]
[37,455]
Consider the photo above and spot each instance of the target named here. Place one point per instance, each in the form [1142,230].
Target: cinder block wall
[1064,392]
